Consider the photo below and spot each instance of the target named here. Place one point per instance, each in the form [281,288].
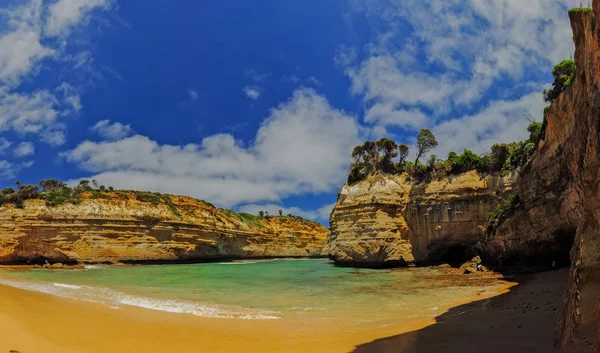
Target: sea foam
[115,299]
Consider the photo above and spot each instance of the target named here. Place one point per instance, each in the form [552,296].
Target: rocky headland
[389,220]
[137,227]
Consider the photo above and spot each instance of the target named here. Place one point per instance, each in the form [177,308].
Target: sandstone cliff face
[389,221]
[120,228]
[560,189]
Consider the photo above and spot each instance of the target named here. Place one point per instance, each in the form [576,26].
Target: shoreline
[35,322]
[520,321]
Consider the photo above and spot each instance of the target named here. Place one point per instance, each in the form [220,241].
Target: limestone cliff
[560,189]
[120,228]
[387,220]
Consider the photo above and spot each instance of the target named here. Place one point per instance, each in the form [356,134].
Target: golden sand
[32,322]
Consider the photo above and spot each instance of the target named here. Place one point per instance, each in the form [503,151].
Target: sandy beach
[521,320]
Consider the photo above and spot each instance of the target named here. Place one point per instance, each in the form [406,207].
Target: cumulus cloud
[252,92]
[65,14]
[4,144]
[24,149]
[112,131]
[301,147]
[20,43]
[451,54]
[24,45]
[35,113]
[321,214]
[9,170]
[501,121]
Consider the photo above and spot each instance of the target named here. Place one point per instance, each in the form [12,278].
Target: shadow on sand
[519,321]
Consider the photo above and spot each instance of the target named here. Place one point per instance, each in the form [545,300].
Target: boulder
[471,266]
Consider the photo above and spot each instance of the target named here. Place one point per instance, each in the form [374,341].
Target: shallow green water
[277,289]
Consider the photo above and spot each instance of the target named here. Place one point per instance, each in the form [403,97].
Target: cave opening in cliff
[454,255]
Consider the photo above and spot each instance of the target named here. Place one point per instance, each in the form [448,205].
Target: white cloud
[112,132]
[321,214]
[9,170]
[302,147]
[23,47]
[193,94]
[24,149]
[252,92]
[501,121]
[313,80]
[4,144]
[20,42]
[452,54]
[65,14]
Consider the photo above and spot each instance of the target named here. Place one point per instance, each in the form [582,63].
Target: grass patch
[581,9]
[251,219]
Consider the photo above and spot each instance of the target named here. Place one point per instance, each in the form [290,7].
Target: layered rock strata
[120,228]
[388,220]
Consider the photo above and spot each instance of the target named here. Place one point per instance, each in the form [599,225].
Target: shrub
[498,156]
[359,171]
[465,162]
[535,132]
[503,209]
[564,76]
[546,109]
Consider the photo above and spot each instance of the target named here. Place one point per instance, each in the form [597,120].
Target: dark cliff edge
[559,191]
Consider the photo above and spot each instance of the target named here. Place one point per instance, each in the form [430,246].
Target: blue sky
[257,104]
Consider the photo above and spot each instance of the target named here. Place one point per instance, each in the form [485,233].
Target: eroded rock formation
[570,155]
[120,228]
[387,220]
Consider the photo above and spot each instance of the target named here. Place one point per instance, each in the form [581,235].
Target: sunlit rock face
[119,228]
[388,220]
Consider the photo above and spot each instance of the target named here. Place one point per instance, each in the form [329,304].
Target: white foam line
[114,299]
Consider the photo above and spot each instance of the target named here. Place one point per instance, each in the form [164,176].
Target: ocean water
[302,290]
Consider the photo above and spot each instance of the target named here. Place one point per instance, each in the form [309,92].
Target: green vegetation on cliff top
[581,9]
[386,156]
[56,193]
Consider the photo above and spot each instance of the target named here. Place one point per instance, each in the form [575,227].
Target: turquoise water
[276,289]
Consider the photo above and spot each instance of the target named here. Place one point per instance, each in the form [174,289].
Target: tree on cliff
[357,154]
[370,153]
[389,150]
[403,153]
[425,143]
[564,75]
[52,185]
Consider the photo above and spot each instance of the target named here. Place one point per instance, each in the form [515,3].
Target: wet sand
[519,321]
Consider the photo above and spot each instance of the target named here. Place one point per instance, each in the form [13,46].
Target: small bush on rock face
[564,76]
[504,208]
[359,171]
[535,132]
